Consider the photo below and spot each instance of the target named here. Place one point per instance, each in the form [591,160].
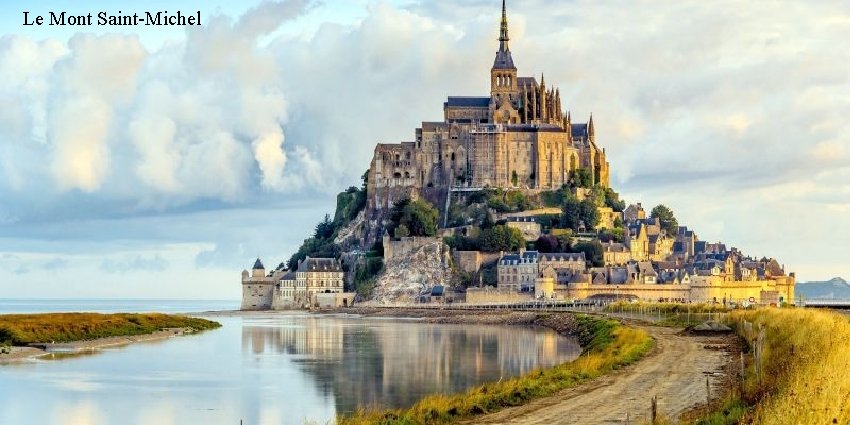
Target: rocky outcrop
[417,271]
[352,232]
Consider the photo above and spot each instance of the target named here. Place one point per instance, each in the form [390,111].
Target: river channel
[272,369]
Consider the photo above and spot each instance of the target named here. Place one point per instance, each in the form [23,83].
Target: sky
[149,162]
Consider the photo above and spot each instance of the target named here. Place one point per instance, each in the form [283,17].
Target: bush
[501,238]
[419,216]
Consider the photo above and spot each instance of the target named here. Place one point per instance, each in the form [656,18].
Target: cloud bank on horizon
[733,115]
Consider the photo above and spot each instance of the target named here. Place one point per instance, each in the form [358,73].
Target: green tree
[419,216]
[616,234]
[501,238]
[597,194]
[325,228]
[570,213]
[581,177]
[667,219]
[402,231]
[546,243]
[575,212]
[592,252]
[365,178]
[589,214]
[612,199]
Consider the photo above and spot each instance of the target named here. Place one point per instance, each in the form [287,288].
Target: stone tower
[504,88]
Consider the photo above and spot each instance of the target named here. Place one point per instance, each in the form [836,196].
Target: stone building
[614,253]
[529,227]
[257,288]
[518,136]
[517,271]
[318,282]
[633,213]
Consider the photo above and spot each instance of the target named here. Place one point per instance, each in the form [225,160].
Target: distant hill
[833,288]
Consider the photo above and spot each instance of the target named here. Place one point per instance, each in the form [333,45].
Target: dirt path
[675,372]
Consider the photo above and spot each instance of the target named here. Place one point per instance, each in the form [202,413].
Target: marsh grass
[674,308]
[806,370]
[608,346]
[23,329]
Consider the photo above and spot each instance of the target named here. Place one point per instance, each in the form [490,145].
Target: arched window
[453,156]
[406,175]
[396,175]
[397,157]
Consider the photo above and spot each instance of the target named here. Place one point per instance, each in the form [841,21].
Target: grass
[23,329]
[666,307]
[608,346]
[806,370]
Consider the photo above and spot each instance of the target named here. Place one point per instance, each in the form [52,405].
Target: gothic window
[453,156]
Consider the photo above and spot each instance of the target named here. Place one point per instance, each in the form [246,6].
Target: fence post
[654,409]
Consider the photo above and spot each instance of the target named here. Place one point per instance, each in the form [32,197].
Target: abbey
[517,137]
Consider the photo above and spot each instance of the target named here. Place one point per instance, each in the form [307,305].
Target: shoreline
[36,350]
[563,323]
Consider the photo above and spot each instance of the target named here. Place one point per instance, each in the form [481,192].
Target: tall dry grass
[22,329]
[806,368]
[666,307]
[608,346]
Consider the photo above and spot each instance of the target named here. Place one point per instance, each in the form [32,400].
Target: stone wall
[257,295]
[394,249]
[488,294]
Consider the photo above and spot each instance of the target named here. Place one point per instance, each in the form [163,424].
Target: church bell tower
[504,90]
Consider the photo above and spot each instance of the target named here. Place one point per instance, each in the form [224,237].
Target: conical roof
[258,264]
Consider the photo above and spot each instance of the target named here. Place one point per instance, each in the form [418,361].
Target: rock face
[417,271]
[352,232]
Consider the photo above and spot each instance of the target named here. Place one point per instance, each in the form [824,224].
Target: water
[271,369]
[14,306]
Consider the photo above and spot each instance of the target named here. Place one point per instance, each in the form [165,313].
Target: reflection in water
[395,363]
[270,369]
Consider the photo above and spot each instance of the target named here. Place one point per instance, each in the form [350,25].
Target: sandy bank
[42,349]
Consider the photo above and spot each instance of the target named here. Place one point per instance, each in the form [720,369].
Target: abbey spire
[503,56]
[503,34]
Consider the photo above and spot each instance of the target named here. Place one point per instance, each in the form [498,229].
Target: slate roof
[521,220]
[614,247]
[504,60]
[468,102]
[514,258]
[563,256]
[618,275]
[258,264]
[320,265]
[579,130]
[646,269]
[526,82]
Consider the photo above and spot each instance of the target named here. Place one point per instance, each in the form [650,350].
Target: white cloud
[734,115]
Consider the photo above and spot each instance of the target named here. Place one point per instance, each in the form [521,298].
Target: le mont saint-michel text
[161,18]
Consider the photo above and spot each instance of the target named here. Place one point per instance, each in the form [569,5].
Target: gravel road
[675,372]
